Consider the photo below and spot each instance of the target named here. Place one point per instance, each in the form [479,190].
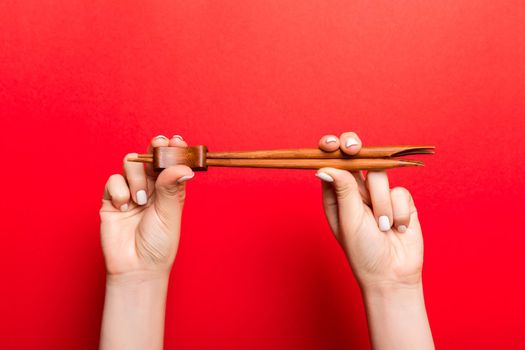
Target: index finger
[157,141]
[329,143]
[350,143]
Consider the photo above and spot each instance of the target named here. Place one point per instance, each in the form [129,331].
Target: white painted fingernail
[177,137]
[402,228]
[351,142]
[142,197]
[331,139]
[185,178]
[124,207]
[324,177]
[384,223]
[160,137]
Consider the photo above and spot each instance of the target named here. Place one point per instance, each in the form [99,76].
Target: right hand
[377,227]
[141,217]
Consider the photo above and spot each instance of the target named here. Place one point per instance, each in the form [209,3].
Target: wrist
[393,291]
[391,288]
[394,297]
[137,279]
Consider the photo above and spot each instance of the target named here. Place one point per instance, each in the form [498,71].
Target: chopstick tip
[140,160]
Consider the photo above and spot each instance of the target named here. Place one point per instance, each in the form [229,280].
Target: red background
[84,82]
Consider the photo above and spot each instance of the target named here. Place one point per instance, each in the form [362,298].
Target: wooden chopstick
[316,153]
[369,158]
[140,160]
[345,164]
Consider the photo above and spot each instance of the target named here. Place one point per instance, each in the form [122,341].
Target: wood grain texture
[316,153]
[369,158]
[344,164]
[194,157]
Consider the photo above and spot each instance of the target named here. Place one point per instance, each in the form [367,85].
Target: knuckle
[381,203]
[402,218]
[400,190]
[177,191]
[344,189]
[121,191]
[169,190]
[136,180]
[114,177]
[119,197]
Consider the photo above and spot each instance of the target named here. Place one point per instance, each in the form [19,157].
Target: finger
[377,182]
[401,208]
[117,192]
[413,234]
[414,219]
[170,192]
[360,179]
[136,177]
[350,143]
[330,204]
[157,141]
[329,143]
[350,206]
[177,141]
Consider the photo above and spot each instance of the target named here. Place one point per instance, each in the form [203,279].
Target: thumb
[349,201]
[170,191]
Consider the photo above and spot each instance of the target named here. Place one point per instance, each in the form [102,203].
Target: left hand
[141,217]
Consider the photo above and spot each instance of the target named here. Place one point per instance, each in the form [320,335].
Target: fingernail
[186,178]
[351,142]
[331,139]
[384,223]
[124,207]
[160,137]
[402,228]
[324,177]
[142,197]
[177,137]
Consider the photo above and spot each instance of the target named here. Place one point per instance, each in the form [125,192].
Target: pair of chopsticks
[369,158]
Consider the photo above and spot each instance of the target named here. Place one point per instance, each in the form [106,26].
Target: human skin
[379,230]
[140,230]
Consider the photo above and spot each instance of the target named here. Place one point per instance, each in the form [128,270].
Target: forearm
[134,311]
[397,318]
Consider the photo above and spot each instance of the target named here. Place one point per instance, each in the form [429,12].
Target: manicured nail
[384,223]
[177,137]
[142,197]
[186,178]
[402,228]
[331,139]
[324,177]
[124,207]
[160,137]
[351,142]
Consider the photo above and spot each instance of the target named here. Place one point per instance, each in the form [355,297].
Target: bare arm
[134,313]
[397,318]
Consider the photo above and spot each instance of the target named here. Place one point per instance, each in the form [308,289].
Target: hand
[141,216]
[377,227]
[140,230]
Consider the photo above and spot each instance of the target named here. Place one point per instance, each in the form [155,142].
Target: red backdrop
[84,82]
